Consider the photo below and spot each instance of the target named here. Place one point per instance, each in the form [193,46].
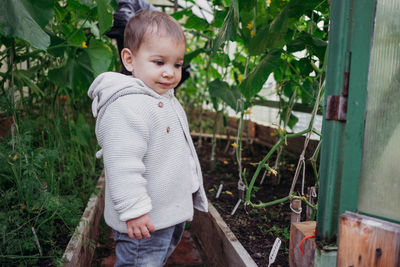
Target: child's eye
[158,62]
[178,66]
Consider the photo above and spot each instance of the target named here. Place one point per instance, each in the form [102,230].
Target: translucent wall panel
[380,174]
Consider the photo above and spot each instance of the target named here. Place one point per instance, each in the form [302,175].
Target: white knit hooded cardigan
[147,150]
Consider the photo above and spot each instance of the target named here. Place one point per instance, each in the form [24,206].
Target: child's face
[158,62]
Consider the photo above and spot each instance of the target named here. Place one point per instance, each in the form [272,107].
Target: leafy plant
[248,41]
[50,53]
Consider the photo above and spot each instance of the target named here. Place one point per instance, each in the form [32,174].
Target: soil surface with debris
[256,229]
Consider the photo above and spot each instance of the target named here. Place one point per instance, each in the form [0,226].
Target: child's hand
[140,227]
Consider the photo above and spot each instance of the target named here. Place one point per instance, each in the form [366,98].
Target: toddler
[153,175]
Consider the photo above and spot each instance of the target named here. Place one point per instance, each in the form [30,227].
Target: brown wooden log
[367,241]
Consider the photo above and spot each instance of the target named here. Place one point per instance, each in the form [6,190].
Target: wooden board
[218,242]
[80,249]
[367,241]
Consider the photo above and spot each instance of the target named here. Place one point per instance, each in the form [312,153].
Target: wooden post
[367,241]
[298,231]
[296,210]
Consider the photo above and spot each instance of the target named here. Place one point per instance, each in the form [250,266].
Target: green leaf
[227,31]
[221,90]
[25,78]
[306,39]
[179,14]
[219,17]
[75,75]
[256,79]
[80,131]
[23,19]
[196,23]
[293,119]
[272,36]
[309,91]
[77,37]
[193,54]
[40,10]
[100,56]
[55,48]
[247,5]
[297,8]
[105,17]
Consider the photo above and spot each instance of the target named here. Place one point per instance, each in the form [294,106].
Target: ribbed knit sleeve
[123,135]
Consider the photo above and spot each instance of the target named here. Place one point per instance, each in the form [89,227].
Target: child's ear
[127,59]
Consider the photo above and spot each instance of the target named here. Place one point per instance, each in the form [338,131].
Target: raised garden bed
[255,229]
[246,238]
[80,249]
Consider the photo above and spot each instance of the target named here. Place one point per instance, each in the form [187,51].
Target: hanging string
[301,163]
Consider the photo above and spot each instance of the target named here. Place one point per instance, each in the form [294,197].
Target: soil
[256,229]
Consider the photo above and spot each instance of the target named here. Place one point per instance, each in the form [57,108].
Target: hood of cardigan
[111,85]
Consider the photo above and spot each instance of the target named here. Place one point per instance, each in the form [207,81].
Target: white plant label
[236,206]
[274,251]
[219,191]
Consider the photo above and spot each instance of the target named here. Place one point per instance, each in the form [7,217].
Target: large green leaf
[271,36]
[228,29]
[24,19]
[256,79]
[105,17]
[221,90]
[40,10]
[75,75]
[100,56]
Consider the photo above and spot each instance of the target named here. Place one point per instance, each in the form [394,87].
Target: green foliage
[46,175]
[25,20]
[51,52]
[248,41]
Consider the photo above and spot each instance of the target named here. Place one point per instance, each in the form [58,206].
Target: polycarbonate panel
[380,173]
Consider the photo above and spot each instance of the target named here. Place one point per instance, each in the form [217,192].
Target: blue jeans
[148,252]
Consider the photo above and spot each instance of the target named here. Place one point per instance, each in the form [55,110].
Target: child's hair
[150,21]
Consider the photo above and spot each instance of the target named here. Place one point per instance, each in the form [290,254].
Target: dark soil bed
[256,229]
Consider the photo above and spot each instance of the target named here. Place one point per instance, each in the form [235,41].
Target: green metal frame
[341,153]
[354,133]
[333,131]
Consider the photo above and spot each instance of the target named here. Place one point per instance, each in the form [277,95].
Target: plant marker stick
[236,206]
[274,251]
[219,191]
[37,241]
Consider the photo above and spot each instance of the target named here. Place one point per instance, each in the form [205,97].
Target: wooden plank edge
[234,253]
[81,241]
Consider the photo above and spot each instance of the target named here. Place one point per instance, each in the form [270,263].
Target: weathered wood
[219,244]
[296,206]
[299,230]
[80,249]
[367,241]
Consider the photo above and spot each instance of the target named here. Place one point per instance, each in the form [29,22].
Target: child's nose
[168,73]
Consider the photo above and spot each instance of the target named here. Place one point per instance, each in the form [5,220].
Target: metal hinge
[336,105]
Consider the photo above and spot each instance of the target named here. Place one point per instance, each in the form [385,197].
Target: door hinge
[336,105]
